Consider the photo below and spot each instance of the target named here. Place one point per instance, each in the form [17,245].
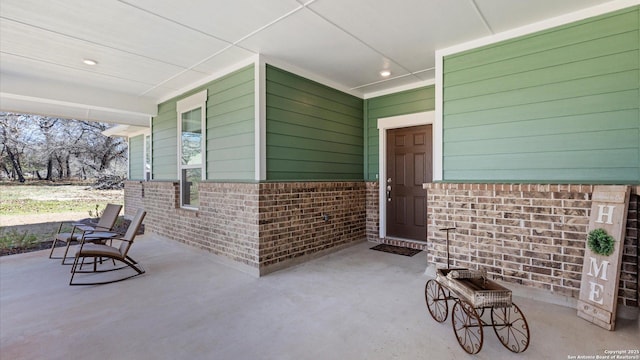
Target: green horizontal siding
[593,85]
[561,105]
[231,127]
[590,122]
[574,159]
[553,74]
[313,132]
[577,141]
[601,103]
[402,103]
[230,121]
[165,128]
[136,158]
[609,176]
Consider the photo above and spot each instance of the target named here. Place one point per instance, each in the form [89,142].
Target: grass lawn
[37,199]
[31,213]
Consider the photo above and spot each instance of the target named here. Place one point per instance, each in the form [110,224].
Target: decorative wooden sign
[603,254]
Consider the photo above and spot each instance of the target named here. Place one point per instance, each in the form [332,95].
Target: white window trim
[144,154]
[198,100]
[402,121]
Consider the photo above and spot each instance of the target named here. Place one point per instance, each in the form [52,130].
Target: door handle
[389,190]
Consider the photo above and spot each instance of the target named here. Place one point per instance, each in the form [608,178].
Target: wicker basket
[479,291]
[466,274]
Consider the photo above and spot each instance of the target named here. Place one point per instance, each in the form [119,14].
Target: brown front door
[408,167]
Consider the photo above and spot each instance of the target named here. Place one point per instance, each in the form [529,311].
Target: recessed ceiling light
[90,62]
[385,73]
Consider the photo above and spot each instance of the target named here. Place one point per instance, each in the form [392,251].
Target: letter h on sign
[608,213]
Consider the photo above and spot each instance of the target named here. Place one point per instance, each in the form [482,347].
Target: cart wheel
[467,326]
[511,327]
[436,301]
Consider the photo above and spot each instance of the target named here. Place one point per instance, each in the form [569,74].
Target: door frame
[402,121]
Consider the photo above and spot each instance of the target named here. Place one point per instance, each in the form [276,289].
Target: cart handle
[447,230]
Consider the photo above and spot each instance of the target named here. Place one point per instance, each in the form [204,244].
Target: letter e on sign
[595,293]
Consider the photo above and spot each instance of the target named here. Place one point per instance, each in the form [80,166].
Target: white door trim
[402,121]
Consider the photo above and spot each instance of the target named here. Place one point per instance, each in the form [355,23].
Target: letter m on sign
[598,271]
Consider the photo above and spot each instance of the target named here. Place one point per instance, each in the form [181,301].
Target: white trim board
[539,26]
[414,85]
[402,121]
[260,126]
[207,79]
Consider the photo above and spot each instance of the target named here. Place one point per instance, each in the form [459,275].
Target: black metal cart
[477,302]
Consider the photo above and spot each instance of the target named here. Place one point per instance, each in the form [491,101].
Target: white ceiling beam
[482,17]
[73,94]
[46,107]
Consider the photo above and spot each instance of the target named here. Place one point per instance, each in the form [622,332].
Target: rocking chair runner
[99,252]
[106,223]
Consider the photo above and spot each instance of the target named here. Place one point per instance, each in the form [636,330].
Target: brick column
[373,211]
[133,194]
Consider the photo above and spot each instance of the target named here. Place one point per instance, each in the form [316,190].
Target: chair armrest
[85,222]
[100,236]
[96,235]
[85,228]
[69,223]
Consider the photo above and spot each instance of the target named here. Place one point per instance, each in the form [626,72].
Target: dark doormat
[399,250]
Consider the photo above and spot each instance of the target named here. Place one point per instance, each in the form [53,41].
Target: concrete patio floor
[352,304]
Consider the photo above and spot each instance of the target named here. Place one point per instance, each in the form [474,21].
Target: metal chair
[98,252]
[106,223]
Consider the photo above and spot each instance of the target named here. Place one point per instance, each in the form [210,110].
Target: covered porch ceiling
[148,51]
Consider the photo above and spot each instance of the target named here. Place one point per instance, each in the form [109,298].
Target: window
[147,156]
[191,148]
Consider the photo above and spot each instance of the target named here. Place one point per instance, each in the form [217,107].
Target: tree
[99,151]
[14,135]
[58,148]
[47,128]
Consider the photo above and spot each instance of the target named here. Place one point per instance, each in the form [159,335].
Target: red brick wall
[528,234]
[532,235]
[373,212]
[293,223]
[225,224]
[132,198]
[263,227]
[229,221]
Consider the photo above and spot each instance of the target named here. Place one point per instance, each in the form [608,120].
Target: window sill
[188,211]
